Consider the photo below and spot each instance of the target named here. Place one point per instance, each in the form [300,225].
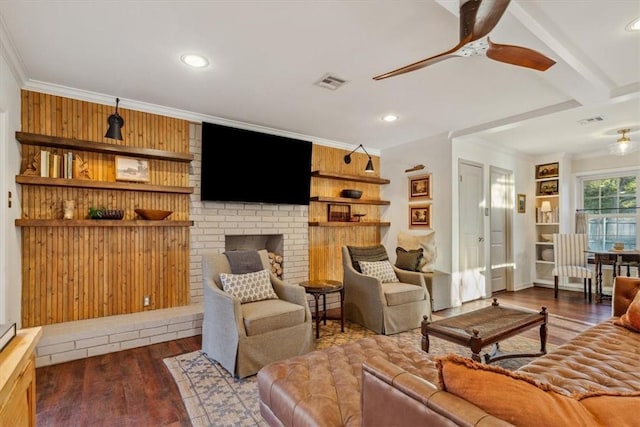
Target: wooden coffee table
[487,326]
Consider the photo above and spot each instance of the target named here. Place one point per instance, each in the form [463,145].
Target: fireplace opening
[273,243]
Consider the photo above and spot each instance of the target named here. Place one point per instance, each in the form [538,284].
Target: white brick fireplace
[216,224]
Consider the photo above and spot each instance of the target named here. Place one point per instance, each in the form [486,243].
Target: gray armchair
[385,308]
[245,337]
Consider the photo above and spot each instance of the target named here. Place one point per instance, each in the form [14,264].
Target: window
[611,204]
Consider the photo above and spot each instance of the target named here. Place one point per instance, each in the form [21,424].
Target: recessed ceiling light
[633,25]
[194,60]
[390,118]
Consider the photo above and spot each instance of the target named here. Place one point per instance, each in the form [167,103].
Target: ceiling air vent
[590,120]
[330,82]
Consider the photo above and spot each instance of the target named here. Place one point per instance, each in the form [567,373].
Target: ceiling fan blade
[423,63]
[479,17]
[518,55]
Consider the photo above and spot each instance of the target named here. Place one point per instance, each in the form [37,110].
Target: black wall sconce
[369,168]
[115,124]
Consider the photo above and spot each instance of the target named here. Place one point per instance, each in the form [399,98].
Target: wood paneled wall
[325,256]
[74,273]
[84,272]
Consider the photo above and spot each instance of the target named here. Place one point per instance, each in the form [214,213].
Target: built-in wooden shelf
[103,185]
[99,223]
[355,178]
[349,224]
[347,201]
[100,147]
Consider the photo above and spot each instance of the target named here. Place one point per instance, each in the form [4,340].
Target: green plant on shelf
[102,213]
[96,213]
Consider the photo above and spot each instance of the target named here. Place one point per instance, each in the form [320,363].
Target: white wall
[605,163]
[440,156]
[10,273]
[435,154]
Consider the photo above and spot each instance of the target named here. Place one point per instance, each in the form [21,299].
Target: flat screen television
[241,165]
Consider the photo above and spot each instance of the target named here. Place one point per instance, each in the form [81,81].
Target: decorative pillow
[511,396]
[631,319]
[242,262]
[249,287]
[425,241]
[408,259]
[381,270]
[366,253]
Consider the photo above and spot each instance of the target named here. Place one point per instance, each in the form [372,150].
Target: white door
[471,216]
[499,220]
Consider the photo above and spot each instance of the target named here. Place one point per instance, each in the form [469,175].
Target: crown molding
[131,104]
[11,56]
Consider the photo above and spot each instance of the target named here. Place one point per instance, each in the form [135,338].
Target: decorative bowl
[153,214]
[546,237]
[351,193]
[547,254]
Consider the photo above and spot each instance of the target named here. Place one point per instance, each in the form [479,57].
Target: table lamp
[546,209]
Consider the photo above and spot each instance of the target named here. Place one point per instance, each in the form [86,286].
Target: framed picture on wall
[522,203]
[548,170]
[132,169]
[547,188]
[420,187]
[420,216]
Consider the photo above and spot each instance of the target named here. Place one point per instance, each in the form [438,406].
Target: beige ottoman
[322,388]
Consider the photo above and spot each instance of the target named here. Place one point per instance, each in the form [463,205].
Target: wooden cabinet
[331,199]
[18,379]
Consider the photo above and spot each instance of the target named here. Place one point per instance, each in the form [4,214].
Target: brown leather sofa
[376,382]
[603,359]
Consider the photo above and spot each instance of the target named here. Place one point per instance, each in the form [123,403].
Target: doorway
[501,207]
[471,207]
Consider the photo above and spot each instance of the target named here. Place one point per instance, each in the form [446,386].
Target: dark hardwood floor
[134,388]
[127,388]
[569,304]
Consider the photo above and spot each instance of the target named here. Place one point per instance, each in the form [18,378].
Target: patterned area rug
[213,398]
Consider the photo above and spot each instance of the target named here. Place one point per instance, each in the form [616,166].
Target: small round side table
[323,287]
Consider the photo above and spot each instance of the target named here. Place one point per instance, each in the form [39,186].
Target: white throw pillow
[249,287]
[381,270]
[425,241]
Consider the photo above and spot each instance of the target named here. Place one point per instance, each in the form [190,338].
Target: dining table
[617,259]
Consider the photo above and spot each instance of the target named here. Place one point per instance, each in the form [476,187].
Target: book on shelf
[44,163]
[68,165]
[7,332]
[53,165]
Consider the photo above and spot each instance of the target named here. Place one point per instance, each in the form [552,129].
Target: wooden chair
[570,260]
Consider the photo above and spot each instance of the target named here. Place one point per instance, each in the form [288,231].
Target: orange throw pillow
[511,396]
[631,319]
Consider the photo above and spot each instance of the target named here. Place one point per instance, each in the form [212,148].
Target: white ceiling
[266,55]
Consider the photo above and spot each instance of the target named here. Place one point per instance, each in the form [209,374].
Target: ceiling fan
[477,19]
